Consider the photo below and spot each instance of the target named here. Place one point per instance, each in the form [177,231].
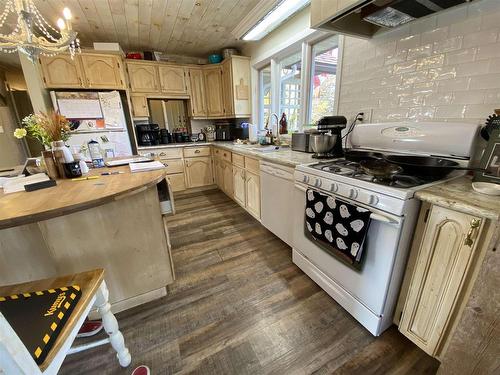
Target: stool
[15,358]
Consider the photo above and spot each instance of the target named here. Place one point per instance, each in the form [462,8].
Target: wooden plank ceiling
[182,27]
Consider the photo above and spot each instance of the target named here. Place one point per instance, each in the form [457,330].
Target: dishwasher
[277,186]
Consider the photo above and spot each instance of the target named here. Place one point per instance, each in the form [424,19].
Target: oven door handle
[373,216]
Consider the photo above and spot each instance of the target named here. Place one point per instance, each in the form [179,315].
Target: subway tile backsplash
[443,68]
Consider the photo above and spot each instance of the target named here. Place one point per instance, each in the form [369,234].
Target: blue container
[214,59]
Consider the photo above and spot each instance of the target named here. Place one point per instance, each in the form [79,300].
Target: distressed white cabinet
[445,246]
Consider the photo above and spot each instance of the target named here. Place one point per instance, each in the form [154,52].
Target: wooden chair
[15,358]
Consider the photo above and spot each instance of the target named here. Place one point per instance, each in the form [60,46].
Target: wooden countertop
[72,196]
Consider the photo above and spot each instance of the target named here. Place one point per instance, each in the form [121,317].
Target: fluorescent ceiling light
[274,18]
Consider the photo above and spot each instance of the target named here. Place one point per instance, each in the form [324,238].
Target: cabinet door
[199,172]
[239,185]
[143,77]
[252,191]
[240,89]
[177,181]
[219,174]
[449,240]
[227,91]
[139,105]
[173,79]
[61,71]
[197,92]
[102,71]
[213,91]
[227,176]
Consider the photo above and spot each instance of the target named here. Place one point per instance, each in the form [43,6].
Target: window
[290,87]
[304,96]
[264,94]
[323,78]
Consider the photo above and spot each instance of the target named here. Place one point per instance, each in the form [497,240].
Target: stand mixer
[328,143]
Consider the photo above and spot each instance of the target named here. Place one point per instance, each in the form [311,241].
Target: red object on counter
[134,56]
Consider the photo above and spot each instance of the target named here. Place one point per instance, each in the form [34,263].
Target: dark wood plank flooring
[240,306]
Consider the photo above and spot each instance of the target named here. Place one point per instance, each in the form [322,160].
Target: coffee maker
[148,134]
[334,125]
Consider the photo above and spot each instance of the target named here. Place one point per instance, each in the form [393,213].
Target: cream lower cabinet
[199,171]
[445,246]
[239,182]
[252,192]
[227,178]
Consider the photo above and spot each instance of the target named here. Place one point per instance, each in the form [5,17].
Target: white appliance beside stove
[370,294]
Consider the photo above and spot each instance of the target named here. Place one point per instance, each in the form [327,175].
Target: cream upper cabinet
[143,77]
[61,71]
[252,191]
[139,105]
[227,84]
[213,91]
[173,79]
[199,171]
[239,185]
[238,89]
[103,71]
[197,92]
[446,244]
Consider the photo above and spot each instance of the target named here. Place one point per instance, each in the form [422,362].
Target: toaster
[300,142]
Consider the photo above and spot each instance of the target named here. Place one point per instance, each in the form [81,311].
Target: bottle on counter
[283,124]
[95,154]
[66,153]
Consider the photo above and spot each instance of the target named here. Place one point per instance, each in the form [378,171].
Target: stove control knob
[353,193]
[305,179]
[334,187]
[318,183]
[373,201]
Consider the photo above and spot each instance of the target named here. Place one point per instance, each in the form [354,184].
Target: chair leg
[111,325]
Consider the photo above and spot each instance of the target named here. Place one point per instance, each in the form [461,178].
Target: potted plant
[51,129]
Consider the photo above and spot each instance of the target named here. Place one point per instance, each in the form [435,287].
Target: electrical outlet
[367,115]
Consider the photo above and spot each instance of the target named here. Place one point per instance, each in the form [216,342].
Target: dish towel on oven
[339,225]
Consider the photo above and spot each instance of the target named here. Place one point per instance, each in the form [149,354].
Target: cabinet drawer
[190,152]
[239,160]
[169,153]
[252,165]
[174,166]
[177,181]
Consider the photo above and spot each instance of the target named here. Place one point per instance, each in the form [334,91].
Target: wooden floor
[240,306]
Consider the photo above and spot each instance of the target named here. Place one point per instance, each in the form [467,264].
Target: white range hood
[367,17]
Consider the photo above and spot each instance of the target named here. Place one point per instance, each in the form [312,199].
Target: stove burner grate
[351,169]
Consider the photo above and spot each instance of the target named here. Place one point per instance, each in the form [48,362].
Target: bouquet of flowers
[45,127]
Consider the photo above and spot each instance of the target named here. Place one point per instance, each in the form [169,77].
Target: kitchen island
[112,222]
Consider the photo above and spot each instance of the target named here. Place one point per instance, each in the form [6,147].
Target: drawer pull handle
[197,151]
[162,154]
[469,241]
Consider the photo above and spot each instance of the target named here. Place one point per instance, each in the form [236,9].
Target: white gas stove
[370,294]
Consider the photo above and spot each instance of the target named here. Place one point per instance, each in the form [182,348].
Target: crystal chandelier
[33,35]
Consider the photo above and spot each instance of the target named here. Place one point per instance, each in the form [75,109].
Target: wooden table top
[72,196]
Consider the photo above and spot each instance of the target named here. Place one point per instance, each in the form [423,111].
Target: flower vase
[50,164]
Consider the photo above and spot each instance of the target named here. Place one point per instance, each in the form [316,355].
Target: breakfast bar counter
[112,222]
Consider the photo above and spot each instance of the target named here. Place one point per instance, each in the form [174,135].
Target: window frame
[305,45]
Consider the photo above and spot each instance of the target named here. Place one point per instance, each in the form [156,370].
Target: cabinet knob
[197,151]
[469,240]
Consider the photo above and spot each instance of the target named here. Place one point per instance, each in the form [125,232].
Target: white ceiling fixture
[32,34]
[273,18]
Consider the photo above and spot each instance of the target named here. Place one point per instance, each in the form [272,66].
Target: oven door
[369,285]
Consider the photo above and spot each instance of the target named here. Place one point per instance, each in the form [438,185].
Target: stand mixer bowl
[323,143]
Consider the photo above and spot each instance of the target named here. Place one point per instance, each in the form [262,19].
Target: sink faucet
[277,127]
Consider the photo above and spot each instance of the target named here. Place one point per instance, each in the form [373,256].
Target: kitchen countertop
[284,156]
[72,196]
[458,195]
